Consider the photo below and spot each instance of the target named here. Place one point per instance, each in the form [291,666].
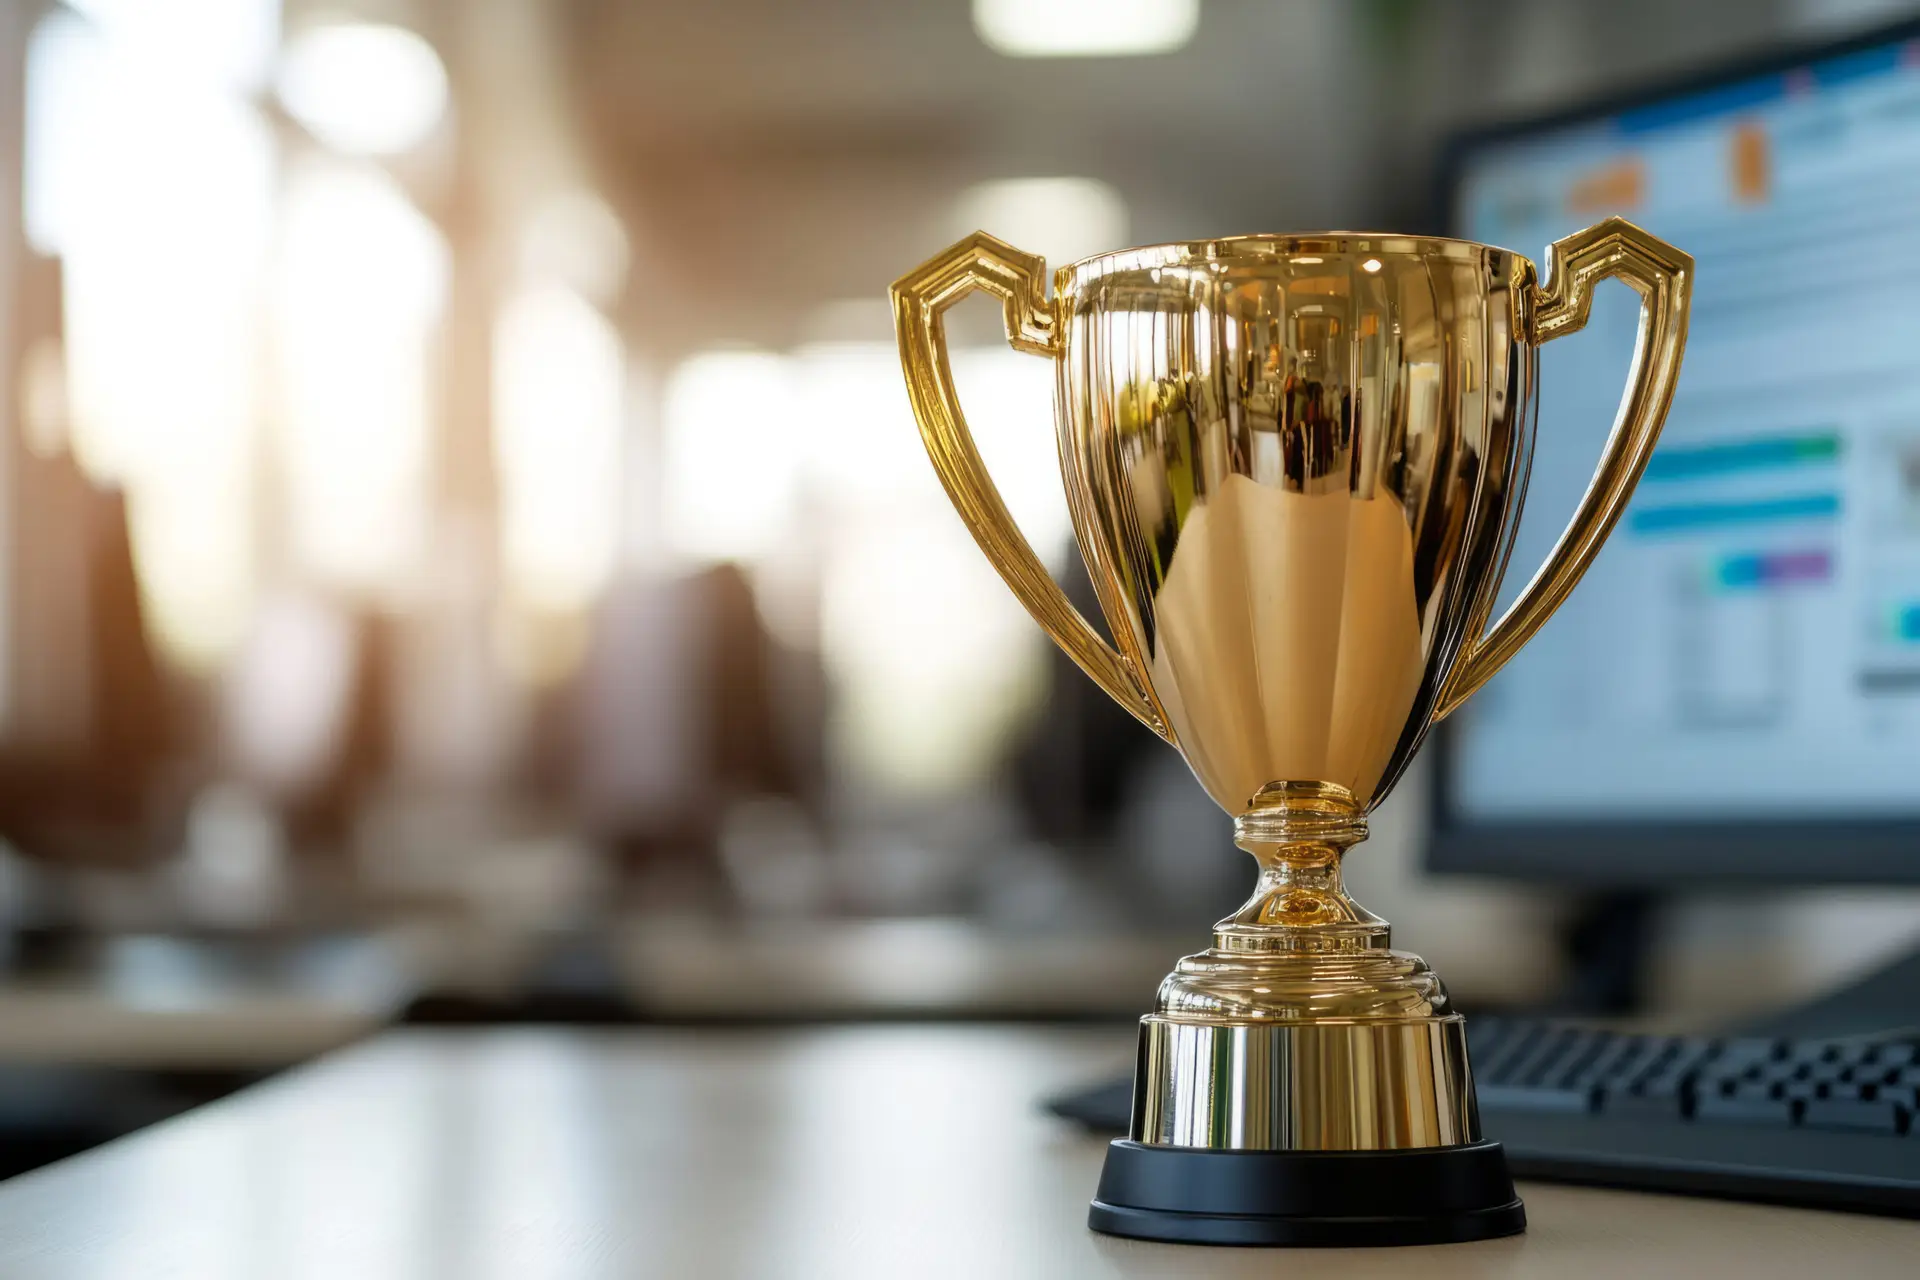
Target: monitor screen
[1747,646]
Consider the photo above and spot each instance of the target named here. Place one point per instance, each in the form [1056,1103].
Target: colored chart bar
[1692,462]
[1907,623]
[1714,515]
[1764,569]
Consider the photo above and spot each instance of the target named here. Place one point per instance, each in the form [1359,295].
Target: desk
[834,1153]
[162,1003]
[850,968]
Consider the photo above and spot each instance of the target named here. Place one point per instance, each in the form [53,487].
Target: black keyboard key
[1617,1056]
[1777,1071]
[1510,1097]
[1580,1061]
[1537,1065]
[1866,1073]
[1745,1109]
[1903,1095]
[1875,1117]
[1745,1051]
[1499,1061]
[1689,1051]
[1635,1105]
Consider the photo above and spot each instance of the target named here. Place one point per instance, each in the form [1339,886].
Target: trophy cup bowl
[1295,466]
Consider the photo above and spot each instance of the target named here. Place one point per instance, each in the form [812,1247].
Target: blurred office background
[465,552]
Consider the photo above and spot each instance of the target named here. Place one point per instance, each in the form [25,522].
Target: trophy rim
[1261,245]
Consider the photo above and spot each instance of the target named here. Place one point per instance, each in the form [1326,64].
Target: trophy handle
[920,300]
[1663,277]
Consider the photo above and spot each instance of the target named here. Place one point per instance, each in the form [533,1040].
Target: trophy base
[1300,1082]
[1191,1195]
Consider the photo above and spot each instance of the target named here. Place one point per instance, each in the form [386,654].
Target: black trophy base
[1191,1195]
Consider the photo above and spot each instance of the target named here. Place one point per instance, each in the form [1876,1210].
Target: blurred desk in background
[928,968]
[873,1151]
[197,1004]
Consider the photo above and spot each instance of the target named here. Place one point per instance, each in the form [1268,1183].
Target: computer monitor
[1733,693]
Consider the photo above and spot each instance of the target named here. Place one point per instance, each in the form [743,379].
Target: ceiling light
[1085,28]
[363,88]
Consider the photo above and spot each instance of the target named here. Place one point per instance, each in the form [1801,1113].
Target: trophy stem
[1299,837]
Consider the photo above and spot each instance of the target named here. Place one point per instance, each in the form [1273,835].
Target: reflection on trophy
[1295,466]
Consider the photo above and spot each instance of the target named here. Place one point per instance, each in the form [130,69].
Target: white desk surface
[844,1153]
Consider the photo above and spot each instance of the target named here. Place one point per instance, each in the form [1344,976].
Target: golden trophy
[1295,466]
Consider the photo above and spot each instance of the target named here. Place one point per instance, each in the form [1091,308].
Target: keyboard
[1822,1123]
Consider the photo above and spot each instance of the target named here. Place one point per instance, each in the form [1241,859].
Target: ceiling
[771,156]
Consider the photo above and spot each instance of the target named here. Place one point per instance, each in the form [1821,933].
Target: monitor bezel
[1669,852]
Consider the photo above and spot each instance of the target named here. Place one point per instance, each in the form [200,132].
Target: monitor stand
[1607,941]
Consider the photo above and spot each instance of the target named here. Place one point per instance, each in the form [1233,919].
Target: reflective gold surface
[1295,467]
[1314,1086]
